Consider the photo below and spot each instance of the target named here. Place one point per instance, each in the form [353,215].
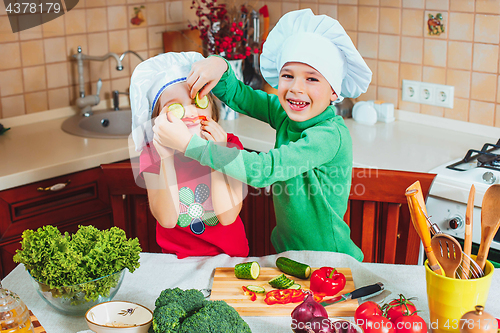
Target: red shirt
[197,232]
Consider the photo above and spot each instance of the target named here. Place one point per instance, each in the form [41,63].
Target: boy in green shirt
[312,62]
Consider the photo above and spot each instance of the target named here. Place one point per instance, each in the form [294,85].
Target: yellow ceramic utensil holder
[450,298]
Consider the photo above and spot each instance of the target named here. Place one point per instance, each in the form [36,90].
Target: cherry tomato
[399,307]
[410,324]
[366,310]
[378,324]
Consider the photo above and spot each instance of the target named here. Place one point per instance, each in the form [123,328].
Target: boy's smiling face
[303,92]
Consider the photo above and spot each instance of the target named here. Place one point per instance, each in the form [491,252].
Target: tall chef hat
[149,80]
[320,42]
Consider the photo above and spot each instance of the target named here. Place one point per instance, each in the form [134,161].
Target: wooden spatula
[490,221]
[468,232]
[448,253]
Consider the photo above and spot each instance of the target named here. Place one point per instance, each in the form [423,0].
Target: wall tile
[368,45]
[72,43]
[98,44]
[390,3]
[13,106]
[435,52]
[431,110]
[462,5]
[274,12]
[487,6]
[54,28]
[408,106]
[498,90]
[58,98]
[100,70]
[354,36]
[311,6]
[460,55]
[327,9]
[118,41]
[32,33]
[414,4]
[434,75]
[95,3]
[57,75]
[289,6]
[10,55]
[390,20]
[368,2]
[6,34]
[155,37]
[444,22]
[32,52]
[487,29]
[154,52]
[156,14]
[34,78]
[372,64]
[134,61]
[412,50]
[97,19]
[116,2]
[412,22]
[174,12]
[497,116]
[411,72]
[389,95]
[348,2]
[117,17]
[348,16]
[461,80]
[11,82]
[482,113]
[461,26]
[484,87]
[436,4]
[368,19]
[36,102]
[390,77]
[370,94]
[485,58]
[138,39]
[75,21]
[120,84]
[460,110]
[388,47]
[55,49]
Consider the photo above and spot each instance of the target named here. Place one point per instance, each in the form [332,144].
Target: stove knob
[456,222]
[489,177]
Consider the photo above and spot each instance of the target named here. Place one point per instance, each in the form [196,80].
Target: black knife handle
[367,290]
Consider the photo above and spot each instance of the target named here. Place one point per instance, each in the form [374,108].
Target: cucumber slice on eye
[177,110]
[202,103]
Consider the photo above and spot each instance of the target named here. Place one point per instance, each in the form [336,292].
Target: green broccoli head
[215,316]
[190,300]
[167,318]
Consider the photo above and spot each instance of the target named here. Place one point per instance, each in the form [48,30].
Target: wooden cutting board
[228,288]
[36,324]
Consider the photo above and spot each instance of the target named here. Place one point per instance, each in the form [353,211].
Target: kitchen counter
[41,150]
[160,271]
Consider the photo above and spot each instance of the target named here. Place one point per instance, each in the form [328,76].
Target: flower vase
[226,112]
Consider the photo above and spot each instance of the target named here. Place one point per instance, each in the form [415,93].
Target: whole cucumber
[294,268]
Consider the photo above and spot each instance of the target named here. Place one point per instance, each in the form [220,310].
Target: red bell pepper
[252,294]
[327,280]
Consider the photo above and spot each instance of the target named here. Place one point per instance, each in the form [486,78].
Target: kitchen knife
[360,292]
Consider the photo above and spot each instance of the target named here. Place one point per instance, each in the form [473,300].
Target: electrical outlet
[428,93]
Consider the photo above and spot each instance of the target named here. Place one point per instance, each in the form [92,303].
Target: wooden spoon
[490,221]
[468,232]
[448,253]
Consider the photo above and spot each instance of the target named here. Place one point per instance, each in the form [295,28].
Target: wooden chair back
[378,214]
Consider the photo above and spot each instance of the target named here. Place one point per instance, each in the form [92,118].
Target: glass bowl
[71,300]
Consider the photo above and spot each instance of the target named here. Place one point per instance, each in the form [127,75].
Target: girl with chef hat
[196,208]
[312,62]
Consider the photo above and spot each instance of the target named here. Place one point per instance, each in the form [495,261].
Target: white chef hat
[320,42]
[149,80]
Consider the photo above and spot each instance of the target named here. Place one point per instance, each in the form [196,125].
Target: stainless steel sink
[101,124]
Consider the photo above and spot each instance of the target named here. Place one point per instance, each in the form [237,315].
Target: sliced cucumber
[294,268]
[281,282]
[247,270]
[202,103]
[256,289]
[295,286]
[177,110]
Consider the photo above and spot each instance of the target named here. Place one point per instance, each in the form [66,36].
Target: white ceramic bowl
[119,316]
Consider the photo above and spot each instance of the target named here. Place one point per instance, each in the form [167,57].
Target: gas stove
[447,201]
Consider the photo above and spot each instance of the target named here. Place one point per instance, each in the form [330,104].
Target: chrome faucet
[85,103]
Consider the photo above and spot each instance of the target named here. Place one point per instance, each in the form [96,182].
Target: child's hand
[212,131]
[204,75]
[170,131]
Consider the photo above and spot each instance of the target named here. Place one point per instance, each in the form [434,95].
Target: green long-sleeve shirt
[309,168]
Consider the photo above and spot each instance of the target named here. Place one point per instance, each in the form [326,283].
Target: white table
[161,271]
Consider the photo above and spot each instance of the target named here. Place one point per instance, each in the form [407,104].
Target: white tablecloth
[161,271]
